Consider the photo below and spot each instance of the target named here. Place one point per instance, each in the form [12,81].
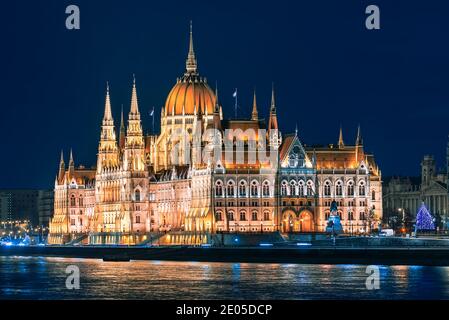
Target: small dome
[187,93]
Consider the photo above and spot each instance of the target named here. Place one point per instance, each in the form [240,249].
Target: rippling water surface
[44,278]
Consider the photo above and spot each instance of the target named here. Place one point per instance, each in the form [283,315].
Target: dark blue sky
[327,68]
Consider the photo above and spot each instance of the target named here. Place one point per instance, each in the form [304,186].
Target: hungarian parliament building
[203,174]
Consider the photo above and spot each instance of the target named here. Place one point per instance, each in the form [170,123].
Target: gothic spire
[134,104]
[341,143]
[254,114]
[61,167]
[191,65]
[107,107]
[122,135]
[272,121]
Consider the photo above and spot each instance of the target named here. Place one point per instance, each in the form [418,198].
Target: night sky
[328,70]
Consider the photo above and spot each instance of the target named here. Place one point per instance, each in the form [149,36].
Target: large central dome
[191,92]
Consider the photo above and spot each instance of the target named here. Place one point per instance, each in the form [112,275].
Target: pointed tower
[61,168]
[107,149]
[274,135]
[254,114]
[71,165]
[273,121]
[122,136]
[191,65]
[341,143]
[134,158]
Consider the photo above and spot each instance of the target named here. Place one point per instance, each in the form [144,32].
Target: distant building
[45,207]
[5,206]
[26,204]
[403,196]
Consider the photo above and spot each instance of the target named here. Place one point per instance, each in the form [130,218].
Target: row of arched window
[297,188]
[350,189]
[243,190]
[219,216]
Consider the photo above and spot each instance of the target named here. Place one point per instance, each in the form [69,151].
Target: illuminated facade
[187,177]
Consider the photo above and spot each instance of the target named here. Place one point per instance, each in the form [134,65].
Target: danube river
[45,278]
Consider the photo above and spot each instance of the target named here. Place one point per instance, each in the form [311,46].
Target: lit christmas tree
[424,220]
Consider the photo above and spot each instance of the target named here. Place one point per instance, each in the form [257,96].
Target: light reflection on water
[44,278]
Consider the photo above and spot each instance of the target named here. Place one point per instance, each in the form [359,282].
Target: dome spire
[191,65]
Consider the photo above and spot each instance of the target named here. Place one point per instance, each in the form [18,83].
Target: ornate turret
[107,149]
[134,145]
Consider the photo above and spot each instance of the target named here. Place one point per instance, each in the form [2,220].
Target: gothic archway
[288,221]
[305,221]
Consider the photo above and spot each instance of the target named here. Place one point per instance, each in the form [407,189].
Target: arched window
[350,216]
[137,219]
[301,188]
[350,188]
[362,189]
[72,200]
[362,216]
[338,189]
[309,188]
[373,195]
[254,189]
[293,188]
[219,189]
[267,216]
[327,189]
[81,202]
[326,215]
[242,216]
[284,188]
[137,194]
[254,216]
[242,189]
[266,189]
[231,215]
[230,189]
[218,216]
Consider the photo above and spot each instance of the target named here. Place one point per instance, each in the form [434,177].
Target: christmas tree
[424,220]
